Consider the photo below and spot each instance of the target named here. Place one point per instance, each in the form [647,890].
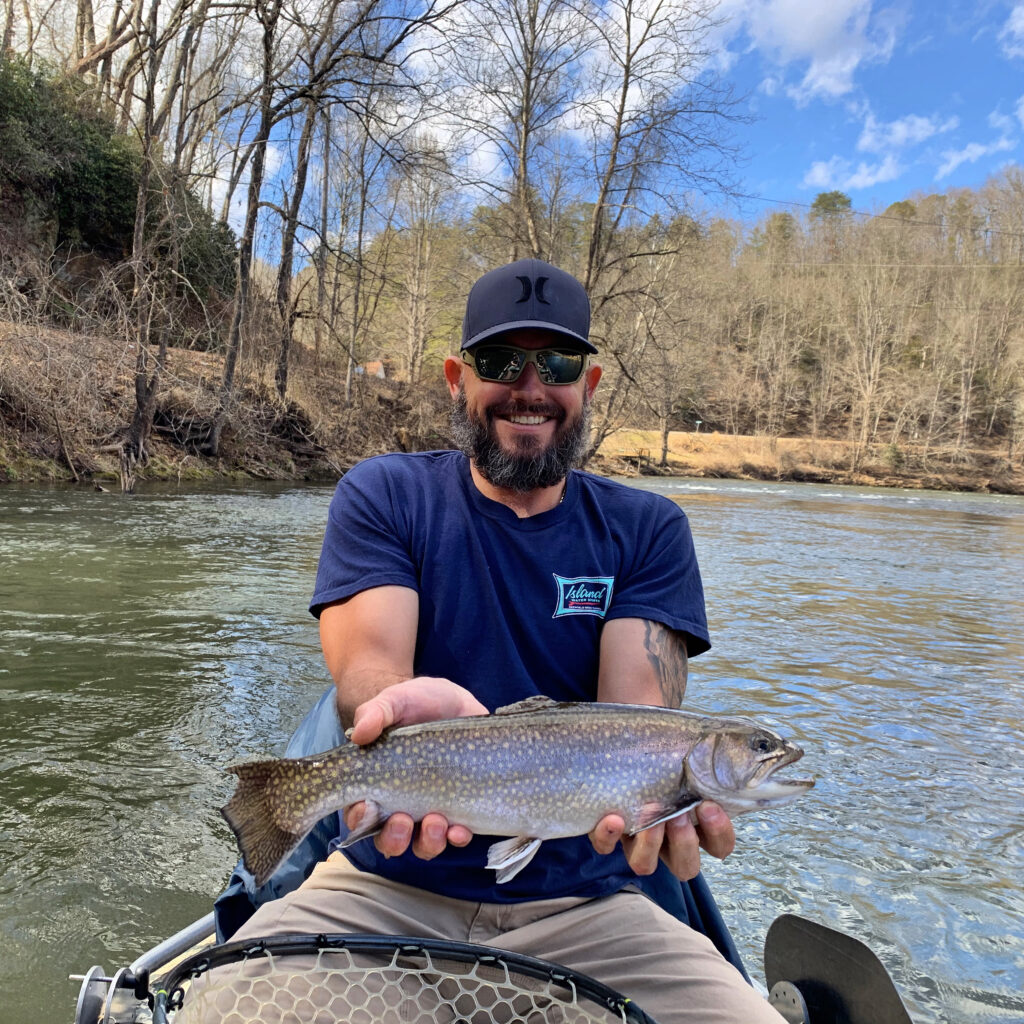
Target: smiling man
[454,582]
[518,416]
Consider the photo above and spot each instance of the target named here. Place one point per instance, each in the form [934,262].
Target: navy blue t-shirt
[509,608]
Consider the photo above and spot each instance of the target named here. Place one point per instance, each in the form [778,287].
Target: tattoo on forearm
[666,651]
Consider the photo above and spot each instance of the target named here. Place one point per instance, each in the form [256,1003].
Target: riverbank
[36,459]
[806,460]
[66,400]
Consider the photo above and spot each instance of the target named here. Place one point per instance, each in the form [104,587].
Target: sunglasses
[502,364]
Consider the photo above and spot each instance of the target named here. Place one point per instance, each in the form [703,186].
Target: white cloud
[833,39]
[971,153]
[274,160]
[839,173]
[877,137]
[1012,34]
[1001,122]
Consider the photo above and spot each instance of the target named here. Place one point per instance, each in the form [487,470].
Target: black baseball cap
[527,293]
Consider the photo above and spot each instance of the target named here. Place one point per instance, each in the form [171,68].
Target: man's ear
[453,368]
[591,377]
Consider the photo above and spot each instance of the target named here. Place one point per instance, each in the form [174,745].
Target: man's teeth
[529,421]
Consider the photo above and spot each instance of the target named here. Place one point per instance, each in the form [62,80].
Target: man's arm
[642,662]
[369,643]
[645,662]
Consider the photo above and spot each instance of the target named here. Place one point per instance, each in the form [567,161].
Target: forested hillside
[373,160]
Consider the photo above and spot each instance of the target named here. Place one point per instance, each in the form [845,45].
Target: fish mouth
[764,783]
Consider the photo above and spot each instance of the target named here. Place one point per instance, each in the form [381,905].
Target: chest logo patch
[583,595]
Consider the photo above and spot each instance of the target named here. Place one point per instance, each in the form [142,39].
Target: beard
[530,465]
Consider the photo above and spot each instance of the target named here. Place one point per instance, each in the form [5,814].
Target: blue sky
[878,100]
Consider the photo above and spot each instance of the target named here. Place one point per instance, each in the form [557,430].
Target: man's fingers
[395,837]
[431,837]
[715,830]
[681,851]
[399,832]
[459,835]
[371,719]
[644,849]
[353,815]
[605,835]
[422,699]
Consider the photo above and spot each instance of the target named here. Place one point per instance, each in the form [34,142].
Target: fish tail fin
[263,843]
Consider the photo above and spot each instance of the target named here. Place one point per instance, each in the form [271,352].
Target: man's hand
[677,842]
[423,699]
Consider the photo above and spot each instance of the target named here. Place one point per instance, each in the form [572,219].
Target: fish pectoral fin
[371,823]
[509,856]
[655,814]
[537,703]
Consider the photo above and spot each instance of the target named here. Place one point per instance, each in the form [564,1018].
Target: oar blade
[840,979]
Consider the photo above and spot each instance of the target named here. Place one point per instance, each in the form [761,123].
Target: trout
[534,770]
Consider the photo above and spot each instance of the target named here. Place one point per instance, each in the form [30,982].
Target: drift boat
[814,974]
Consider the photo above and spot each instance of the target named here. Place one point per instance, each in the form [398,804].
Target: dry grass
[629,451]
[727,454]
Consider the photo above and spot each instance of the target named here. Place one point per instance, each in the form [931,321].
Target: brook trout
[533,771]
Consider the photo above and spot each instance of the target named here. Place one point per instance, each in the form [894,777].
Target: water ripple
[147,643]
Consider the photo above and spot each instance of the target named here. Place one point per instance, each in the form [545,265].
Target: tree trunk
[243,280]
[284,272]
[321,260]
[8,33]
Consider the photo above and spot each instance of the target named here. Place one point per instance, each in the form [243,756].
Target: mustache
[526,409]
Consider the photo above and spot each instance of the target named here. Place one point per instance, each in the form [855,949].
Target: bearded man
[454,582]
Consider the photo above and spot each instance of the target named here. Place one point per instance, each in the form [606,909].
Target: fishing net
[380,980]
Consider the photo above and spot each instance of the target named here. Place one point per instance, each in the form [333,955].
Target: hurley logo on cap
[538,288]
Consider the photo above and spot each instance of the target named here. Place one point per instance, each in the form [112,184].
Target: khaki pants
[625,941]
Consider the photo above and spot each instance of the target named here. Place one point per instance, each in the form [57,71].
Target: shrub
[61,158]
[69,178]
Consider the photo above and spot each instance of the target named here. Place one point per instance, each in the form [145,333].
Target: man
[452,583]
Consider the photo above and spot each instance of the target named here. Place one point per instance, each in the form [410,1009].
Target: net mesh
[403,984]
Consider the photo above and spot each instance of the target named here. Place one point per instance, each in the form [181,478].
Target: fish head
[734,763]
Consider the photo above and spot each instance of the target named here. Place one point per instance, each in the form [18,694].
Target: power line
[898,266]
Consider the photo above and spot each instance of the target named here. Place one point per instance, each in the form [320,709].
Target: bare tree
[354,47]
[150,274]
[425,190]
[656,114]
[290,222]
[514,74]
[7,35]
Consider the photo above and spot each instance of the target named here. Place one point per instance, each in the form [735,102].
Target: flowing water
[146,642]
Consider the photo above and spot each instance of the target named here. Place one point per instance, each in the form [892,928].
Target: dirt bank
[809,460]
[66,398]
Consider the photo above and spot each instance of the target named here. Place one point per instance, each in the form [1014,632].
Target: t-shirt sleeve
[364,543]
[664,583]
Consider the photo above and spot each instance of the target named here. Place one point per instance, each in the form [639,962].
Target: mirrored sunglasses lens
[492,362]
[559,367]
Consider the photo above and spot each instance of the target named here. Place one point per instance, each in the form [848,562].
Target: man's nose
[529,382]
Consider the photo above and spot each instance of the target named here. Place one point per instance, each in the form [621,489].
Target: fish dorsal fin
[537,703]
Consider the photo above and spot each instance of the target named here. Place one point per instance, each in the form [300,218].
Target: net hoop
[398,953]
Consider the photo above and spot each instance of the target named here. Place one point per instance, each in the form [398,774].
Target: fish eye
[760,743]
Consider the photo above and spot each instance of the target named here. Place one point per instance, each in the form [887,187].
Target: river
[148,641]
